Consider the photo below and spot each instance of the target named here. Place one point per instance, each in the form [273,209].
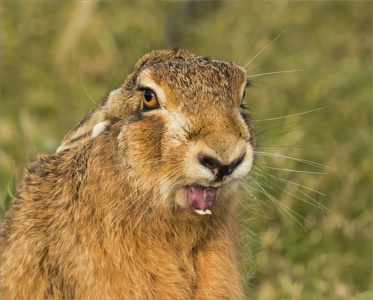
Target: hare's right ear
[94,123]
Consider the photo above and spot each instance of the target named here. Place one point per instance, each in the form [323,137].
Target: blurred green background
[313,225]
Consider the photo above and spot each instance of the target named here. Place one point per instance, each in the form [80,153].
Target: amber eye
[150,100]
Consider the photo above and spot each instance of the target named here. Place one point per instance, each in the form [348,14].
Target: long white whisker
[267,63]
[257,200]
[291,146]
[277,127]
[254,83]
[293,183]
[315,204]
[140,218]
[289,131]
[150,161]
[296,171]
[280,205]
[270,43]
[277,202]
[125,165]
[157,200]
[318,205]
[308,162]
[275,72]
[289,116]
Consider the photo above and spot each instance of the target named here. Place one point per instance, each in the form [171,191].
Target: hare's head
[184,137]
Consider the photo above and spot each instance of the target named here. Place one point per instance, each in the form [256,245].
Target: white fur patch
[247,163]
[243,87]
[98,128]
[59,149]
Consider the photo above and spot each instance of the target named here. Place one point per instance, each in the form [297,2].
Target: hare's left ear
[93,123]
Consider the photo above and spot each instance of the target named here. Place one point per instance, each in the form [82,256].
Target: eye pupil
[148,94]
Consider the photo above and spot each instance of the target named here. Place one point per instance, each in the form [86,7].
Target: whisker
[305,161]
[315,204]
[114,209]
[270,43]
[276,72]
[280,205]
[125,165]
[150,161]
[290,131]
[113,222]
[279,179]
[276,127]
[154,203]
[173,177]
[318,204]
[289,116]
[292,146]
[267,63]
[293,183]
[169,177]
[120,215]
[257,200]
[140,218]
[296,171]
[103,222]
[313,201]
[84,88]
[254,82]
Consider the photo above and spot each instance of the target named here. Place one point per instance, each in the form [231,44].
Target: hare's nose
[217,168]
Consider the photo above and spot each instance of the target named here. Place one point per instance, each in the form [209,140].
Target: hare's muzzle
[200,199]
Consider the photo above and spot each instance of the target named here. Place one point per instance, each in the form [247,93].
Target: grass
[58,56]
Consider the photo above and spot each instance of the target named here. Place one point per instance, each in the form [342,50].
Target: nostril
[209,162]
[213,165]
[228,169]
[217,168]
[236,163]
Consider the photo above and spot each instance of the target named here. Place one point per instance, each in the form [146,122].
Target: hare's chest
[143,273]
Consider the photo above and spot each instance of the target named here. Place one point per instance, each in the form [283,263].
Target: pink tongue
[201,198]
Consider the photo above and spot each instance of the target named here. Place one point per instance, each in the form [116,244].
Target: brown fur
[99,219]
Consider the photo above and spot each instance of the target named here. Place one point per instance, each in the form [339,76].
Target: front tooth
[199,211]
[207,211]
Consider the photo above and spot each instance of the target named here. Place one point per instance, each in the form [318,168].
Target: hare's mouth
[200,199]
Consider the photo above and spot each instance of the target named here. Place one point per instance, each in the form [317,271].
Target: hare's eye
[150,100]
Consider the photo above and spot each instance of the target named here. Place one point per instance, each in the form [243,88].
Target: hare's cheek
[140,142]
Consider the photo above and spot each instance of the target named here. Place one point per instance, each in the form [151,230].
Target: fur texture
[111,213]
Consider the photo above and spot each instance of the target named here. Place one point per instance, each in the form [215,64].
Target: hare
[140,199]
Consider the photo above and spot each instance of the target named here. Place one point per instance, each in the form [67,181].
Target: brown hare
[139,201]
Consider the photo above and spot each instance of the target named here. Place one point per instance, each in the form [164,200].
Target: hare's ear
[94,123]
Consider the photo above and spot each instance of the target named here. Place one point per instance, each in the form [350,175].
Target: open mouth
[200,199]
